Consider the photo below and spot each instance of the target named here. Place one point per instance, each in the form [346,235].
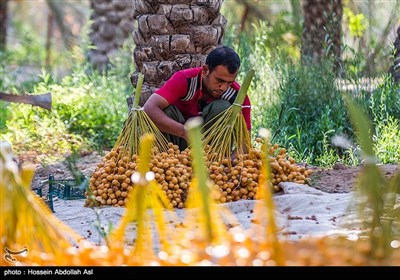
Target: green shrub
[387,140]
[88,112]
[310,109]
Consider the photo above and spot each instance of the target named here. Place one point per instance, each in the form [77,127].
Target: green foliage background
[301,104]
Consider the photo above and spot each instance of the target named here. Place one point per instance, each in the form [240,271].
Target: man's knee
[173,112]
[215,108]
[219,105]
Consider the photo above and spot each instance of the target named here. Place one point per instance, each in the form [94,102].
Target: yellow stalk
[136,125]
[146,193]
[221,137]
[237,104]
[158,202]
[137,203]
[268,203]
[206,215]
[138,91]
[210,231]
[26,220]
[194,130]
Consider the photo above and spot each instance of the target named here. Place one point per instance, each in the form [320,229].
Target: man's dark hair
[224,56]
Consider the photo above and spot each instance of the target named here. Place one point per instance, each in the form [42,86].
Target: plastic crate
[48,199]
[68,189]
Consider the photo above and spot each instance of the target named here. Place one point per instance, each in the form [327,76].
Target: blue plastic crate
[68,189]
[48,199]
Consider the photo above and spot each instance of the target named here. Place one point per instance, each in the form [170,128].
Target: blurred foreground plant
[26,220]
[376,192]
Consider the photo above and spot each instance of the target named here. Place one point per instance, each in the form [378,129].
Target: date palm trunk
[3,24]
[396,64]
[112,25]
[322,30]
[172,35]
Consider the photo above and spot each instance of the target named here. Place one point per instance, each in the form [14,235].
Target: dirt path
[342,179]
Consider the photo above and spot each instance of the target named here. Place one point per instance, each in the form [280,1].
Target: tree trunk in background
[322,30]
[396,64]
[3,24]
[58,10]
[173,35]
[49,36]
[296,14]
[251,9]
[112,25]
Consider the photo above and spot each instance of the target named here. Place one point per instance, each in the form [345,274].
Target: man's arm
[154,107]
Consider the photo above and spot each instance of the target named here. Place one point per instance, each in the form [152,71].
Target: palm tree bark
[396,64]
[172,35]
[250,10]
[112,25]
[322,30]
[49,36]
[3,24]
[296,15]
[58,13]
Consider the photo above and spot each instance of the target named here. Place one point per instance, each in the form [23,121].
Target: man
[203,91]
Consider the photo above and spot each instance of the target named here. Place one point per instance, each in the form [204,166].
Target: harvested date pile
[232,180]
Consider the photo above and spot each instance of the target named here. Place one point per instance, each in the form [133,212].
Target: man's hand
[154,107]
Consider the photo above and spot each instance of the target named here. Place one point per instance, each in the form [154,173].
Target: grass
[300,104]
[87,114]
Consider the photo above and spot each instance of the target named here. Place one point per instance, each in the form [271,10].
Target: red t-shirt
[184,90]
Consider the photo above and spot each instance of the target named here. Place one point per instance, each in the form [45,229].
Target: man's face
[217,81]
